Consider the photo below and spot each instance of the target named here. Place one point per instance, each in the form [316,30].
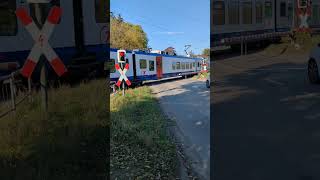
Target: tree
[206,53]
[124,35]
[170,51]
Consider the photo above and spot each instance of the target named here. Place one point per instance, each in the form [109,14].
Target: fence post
[29,89]
[13,102]
[241,45]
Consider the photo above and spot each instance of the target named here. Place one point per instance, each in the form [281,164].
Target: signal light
[121,56]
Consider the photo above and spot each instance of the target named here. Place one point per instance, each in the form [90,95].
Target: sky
[174,23]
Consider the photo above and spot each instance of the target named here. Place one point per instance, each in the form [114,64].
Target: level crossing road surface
[186,101]
[266,118]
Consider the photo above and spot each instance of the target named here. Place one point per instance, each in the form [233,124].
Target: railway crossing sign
[123,74]
[41,38]
[304,12]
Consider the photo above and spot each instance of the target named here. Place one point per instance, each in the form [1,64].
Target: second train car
[257,20]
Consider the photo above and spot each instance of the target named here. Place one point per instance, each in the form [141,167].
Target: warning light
[302,4]
[121,56]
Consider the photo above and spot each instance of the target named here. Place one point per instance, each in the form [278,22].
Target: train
[80,38]
[234,21]
[146,66]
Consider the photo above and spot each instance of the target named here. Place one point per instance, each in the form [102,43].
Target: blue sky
[167,23]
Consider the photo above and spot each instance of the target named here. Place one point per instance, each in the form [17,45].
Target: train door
[159,67]
[96,22]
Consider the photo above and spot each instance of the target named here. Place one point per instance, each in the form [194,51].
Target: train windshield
[8,20]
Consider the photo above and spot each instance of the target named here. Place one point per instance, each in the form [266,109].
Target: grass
[69,142]
[202,75]
[306,44]
[140,147]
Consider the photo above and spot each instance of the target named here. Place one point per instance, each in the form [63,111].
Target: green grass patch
[202,75]
[69,142]
[140,146]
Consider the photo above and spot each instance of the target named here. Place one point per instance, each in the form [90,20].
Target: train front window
[143,64]
[151,65]
[218,13]
[39,12]
[283,9]
[8,20]
[258,12]
[234,12]
[247,12]
[101,7]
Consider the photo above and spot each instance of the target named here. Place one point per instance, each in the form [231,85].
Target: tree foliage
[206,53]
[124,35]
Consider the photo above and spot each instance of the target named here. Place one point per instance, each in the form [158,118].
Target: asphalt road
[186,101]
[266,119]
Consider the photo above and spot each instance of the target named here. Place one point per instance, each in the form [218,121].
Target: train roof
[154,54]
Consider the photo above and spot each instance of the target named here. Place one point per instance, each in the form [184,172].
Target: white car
[313,65]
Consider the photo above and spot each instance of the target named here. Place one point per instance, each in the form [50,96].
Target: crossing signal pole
[122,60]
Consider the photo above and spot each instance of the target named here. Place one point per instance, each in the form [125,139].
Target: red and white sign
[304,12]
[123,74]
[41,38]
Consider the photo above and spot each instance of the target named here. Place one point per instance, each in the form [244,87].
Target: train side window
[218,13]
[283,9]
[143,64]
[268,9]
[110,65]
[234,12]
[8,19]
[194,64]
[190,65]
[183,65]
[101,7]
[247,12]
[44,8]
[258,12]
[178,65]
[187,65]
[315,14]
[173,66]
[151,65]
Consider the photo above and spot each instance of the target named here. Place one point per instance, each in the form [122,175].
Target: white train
[153,66]
[256,19]
[79,39]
